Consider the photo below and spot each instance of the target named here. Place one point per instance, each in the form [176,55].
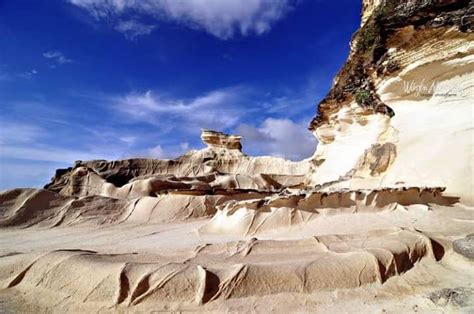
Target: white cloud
[14,174]
[170,152]
[101,8]
[21,140]
[27,160]
[6,77]
[278,137]
[157,152]
[11,132]
[217,109]
[28,74]
[128,139]
[221,18]
[132,29]
[57,56]
[30,151]
[50,154]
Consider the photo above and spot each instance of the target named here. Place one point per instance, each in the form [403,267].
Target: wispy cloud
[223,19]
[278,137]
[133,29]
[150,124]
[9,77]
[26,173]
[217,109]
[28,74]
[169,152]
[57,56]
[13,132]
[35,139]
[49,153]
[128,139]
[284,118]
[29,153]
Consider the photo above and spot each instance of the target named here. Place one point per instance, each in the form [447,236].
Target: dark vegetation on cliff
[368,58]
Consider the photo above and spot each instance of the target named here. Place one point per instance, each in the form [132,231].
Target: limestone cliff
[400,110]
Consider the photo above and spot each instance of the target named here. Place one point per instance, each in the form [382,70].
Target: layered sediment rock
[271,213]
[215,139]
[223,155]
[42,208]
[333,262]
[388,190]
[400,110]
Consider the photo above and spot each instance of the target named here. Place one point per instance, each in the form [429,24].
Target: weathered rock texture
[117,280]
[367,221]
[215,139]
[254,216]
[465,246]
[400,110]
[223,155]
[384,30]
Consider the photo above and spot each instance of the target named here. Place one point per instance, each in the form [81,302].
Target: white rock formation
[215,139]
[427,142]
[368,221]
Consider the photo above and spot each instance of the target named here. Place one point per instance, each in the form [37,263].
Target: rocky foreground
[379,219]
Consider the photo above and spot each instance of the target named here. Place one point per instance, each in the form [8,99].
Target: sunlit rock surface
[215,139]
[380,218]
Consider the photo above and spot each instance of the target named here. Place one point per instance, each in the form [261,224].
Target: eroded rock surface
[366,221]
[465,246]
[244,269]
[222,156]
[215,139]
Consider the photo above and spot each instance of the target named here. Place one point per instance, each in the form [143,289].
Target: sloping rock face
[138,191]
[223,155]
[255,216]
[375,216]
[199,279]
[400,111]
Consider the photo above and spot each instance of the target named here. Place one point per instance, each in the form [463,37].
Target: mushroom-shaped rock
[214,139]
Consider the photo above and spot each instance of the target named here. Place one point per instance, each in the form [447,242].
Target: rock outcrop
[384,30]
[333,262]
[376,215]
[223,155]
[254,216]
[400,109]
[215,139]
[465,246]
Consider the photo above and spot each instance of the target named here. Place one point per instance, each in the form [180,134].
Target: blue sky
[95,79]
